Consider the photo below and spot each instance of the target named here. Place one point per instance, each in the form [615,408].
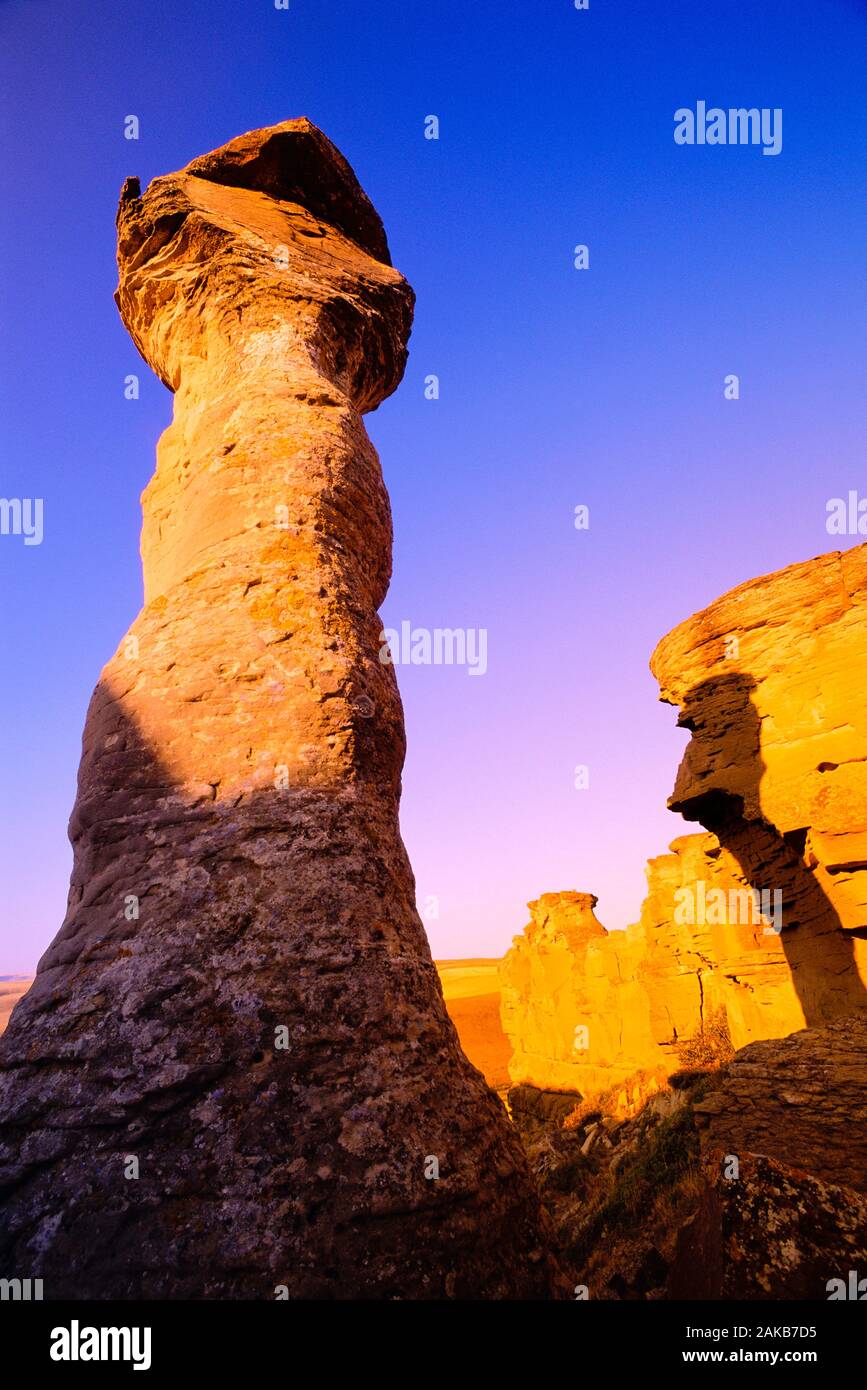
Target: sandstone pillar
[234,1070]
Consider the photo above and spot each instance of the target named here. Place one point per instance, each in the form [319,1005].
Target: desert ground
[11,989]
[472,995]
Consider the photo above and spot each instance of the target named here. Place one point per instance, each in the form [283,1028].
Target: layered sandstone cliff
[234,1072]
[571,1005]
[757,927]
[585,1008]
[769,681]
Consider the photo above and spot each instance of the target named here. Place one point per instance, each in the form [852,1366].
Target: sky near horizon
[558,387]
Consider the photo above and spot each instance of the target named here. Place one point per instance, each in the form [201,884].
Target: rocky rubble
[720,1186]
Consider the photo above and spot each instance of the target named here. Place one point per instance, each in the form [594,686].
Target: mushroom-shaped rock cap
[295,162]
[272,226]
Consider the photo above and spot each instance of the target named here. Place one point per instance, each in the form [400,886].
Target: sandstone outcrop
[234,1072]
[776,1233]
[561,977]
[801,1100]
[768,682]
[745,1183]
[793,1215]
[587,1009]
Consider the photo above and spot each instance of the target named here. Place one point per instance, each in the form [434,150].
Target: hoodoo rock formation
[768,680]
[571,1004]
[234,1072]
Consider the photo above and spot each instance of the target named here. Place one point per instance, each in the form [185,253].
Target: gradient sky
[558,387]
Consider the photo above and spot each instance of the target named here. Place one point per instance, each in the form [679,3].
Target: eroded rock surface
[587,1009]
[775,1233]
[684,1170]
[234,1070]
[769,682]
[801,1100]
[561,976]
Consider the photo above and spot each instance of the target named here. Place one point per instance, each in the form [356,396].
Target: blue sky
[558,387]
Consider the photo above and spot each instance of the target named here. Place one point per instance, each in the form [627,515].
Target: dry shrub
[711,1047]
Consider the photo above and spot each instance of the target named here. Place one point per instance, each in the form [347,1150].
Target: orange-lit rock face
[707,952]
[769,681]
[585,1009]
[241,996]
[267,512]
[571,1004]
